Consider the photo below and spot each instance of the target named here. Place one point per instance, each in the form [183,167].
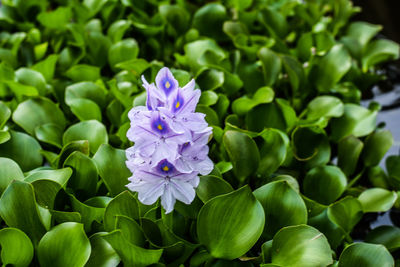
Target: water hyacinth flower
[170,139]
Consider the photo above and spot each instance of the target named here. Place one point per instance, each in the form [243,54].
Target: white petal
[148,193]
[204,167]
[167,200]
[182,191]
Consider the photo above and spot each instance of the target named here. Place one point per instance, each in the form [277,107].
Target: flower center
[159,127]
[167,85]
[178,104]
[165,168]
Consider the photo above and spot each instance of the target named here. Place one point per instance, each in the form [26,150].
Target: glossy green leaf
[209,19]
[131,230]
[365,255]
[85,109]
[4,136]
[36,112]
[83,72]
[271,64]
[324,106]
[50,133]
[325,184]
[16,247]
[91,130]
[379,51]
[282,206]
[242,105]
[300,245]
[18,209]
[349,150]
[376,146]
[211,186]
[356,120]
[102,253]
[377,200]
[56,19]
[243,153]
[5,114]
[208,98]
[122,205]
[122,51]
[86,90]
[23,149]
[9,171]
[64,245]
[111,166]
[273,151]
[225,234]
[84,177]
[332,67]
[130,254]
[32,78]
[346,213]
[386,235]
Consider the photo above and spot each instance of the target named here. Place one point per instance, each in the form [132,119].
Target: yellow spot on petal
[167,85]
[178,104]
[159,127]
[165,168]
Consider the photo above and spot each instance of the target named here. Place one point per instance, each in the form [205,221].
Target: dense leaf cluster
[297,157]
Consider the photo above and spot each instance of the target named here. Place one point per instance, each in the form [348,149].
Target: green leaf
[83,72]
[211,186]
[346,213]
[57,19]
[377,200]
[243,153]
[356,120]
[16,247]
[379,51]
[84,178]
[209,20]
[36,112]
[117,30]
[85,109]
[111,166]
[376,146]
[47,67]
[9,171]
[19,210]
[130,254]
[124,50]
[332,67]
[365,255]
[64,245]
[363,32]
[300,245]
[349,150]
[102,254]
[325,184]
[324,106]
[273,151]
[93,131]
[393,169]
[124,204]
[50,133]
[23,149]
[225,234]
[271,64]
[282,207]
[242,105]
[32,78]
[131,230]
[89,214]
[5,114]
[386,235]
[86,90]
[208,98]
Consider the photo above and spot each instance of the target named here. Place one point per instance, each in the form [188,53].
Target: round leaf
[324,184]
[377,200]
[16,247]
[300,245]
[64,245]
[211,186]
[93,131]
[225,234]
[243,153]
[324,106]
[386,235]
[36,112]
[282,206]
[365,255]
[9,170]
[102,254]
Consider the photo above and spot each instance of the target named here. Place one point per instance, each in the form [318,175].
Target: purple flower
[170,139]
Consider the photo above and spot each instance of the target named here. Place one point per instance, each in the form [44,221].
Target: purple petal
[182,191]
[166,82]
[167,200]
